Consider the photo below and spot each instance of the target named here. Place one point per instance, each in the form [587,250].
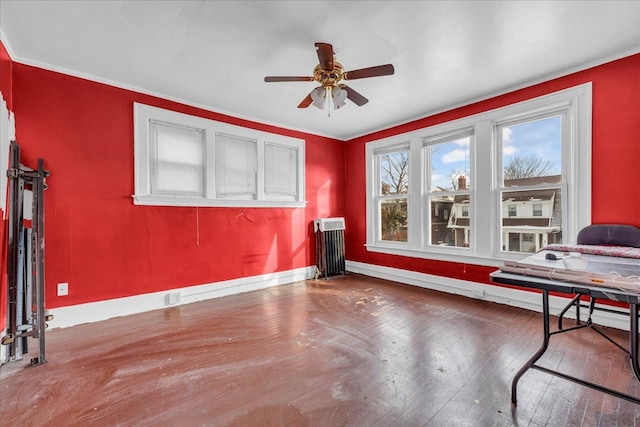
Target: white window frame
[428,192]
[485,202]
[540,211]
[145,114]
[379,198]
[7,134]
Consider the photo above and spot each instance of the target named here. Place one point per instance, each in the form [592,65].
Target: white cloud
[507,136]
[458,155]
[507,151]
[439,180]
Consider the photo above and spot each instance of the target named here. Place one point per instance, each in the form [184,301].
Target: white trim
[7,134]
[527,84]
[513,297]
[132,88]
[483,169]
[523,85]
[7,46]
[145,114]
[102,310]
[217,203]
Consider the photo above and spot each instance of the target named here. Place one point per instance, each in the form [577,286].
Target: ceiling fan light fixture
[319,95]
[339,97]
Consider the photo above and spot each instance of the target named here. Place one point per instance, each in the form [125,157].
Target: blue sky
[541,138]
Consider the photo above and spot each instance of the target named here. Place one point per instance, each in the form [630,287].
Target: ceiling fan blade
[306,102]
[354,96]
[287,79]
[379,70]
[325,55]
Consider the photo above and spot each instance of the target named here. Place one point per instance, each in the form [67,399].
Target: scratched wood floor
[350,351]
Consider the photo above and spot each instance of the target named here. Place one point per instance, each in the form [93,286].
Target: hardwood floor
[350,351]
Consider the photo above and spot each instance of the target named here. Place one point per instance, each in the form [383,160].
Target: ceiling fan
[329,73]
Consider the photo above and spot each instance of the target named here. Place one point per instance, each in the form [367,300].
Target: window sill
[223,203]
[442,255]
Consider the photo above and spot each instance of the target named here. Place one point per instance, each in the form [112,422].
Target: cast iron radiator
[329,246]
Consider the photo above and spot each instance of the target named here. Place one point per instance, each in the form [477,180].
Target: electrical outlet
[63,289]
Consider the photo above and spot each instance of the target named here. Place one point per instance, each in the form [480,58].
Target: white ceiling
[215,54]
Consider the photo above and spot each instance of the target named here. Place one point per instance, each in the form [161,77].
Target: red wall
[6,68]
[103,245]
[615,153]
[106,247]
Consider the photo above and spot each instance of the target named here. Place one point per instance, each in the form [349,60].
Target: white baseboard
[96,311]
[102,310]
[514,297]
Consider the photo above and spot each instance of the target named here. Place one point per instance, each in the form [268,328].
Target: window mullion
[483,210]
[425,194]
[209,164]
[260,171]
[416,179]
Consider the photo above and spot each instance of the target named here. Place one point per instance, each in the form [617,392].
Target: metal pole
[541,350]
[38,259]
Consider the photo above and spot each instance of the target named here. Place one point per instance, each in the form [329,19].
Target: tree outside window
[394,191]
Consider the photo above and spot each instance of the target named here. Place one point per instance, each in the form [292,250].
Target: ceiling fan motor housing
[329,78]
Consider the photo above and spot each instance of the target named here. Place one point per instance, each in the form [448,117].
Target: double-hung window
[532,181]
[447,162]
[495,185]
[183,160]
[392,193]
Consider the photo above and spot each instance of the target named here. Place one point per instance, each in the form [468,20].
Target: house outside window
[447,166]
[502,210]
[532,176]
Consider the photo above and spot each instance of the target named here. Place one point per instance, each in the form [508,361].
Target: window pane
[531,219]
[281,170]
[532,149]
[448,169]
[177,159]
[459,222]
[394,173]
[537,209]
[394,181]
[441,233]
[449,159]
[236,167]
[393,219]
